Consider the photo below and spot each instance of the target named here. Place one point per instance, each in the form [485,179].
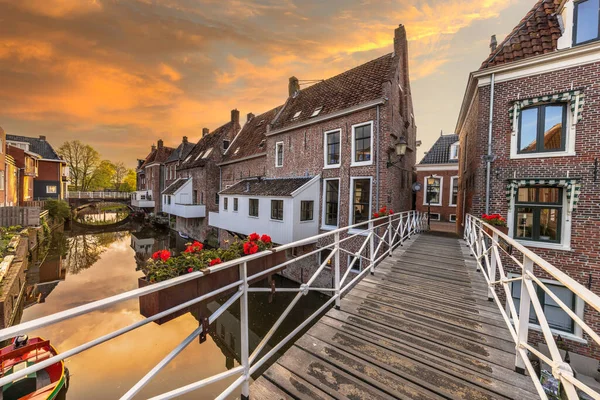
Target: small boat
[183,235]
[44,384]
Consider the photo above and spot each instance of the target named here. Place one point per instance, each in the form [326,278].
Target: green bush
[58,210]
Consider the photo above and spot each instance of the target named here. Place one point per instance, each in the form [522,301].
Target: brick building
[325,158]
[151,178]
[437,174]
[26,163]
[176,158]
[542,83]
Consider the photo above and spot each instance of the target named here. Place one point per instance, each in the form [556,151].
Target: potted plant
[497,221]
[163,266]
[383,212]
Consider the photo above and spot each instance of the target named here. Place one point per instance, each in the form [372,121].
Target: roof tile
[440,151]
[280,187]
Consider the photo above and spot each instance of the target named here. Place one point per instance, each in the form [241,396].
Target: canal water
[76,270]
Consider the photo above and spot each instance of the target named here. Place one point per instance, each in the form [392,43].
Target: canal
[77,269]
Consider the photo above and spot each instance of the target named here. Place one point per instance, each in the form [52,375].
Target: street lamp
[400,150]
[430,182]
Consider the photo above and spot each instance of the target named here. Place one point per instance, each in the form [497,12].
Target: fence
[24,216]
[381,236]
[35,203]
[495,254]
[99,195]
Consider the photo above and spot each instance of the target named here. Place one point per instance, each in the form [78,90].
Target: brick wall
[583,261]
[445,210]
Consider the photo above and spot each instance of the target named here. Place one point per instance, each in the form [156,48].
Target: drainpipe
[489,157]
[377,163]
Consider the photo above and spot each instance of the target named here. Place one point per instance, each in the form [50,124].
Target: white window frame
[441,178]
[52,186]
[225,203]
[351,203]
[271,209]
[361,163]
[331,166]
[454,150]
[324,208]
[576,336]
[359,262]
[235,206]
[452,218]
[452,179]
[565,240]
[570,131]
[277,147]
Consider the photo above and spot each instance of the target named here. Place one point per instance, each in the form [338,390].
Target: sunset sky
[120,74]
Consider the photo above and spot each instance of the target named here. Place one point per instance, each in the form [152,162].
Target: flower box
[503,229]
[162,300]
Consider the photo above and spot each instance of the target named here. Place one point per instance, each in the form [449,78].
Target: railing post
[479,248]
[244,334]
[390,235]
[372,247]
[524,306]
[408,224]
[336,262]
[492,271]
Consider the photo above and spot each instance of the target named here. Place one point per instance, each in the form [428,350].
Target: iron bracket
[205,325]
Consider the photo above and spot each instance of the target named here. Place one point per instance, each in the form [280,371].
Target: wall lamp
[400,150]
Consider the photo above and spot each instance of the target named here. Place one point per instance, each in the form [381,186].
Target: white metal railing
[490,247]
[381,235]
[99,195]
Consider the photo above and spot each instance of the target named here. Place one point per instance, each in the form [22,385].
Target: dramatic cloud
[120,74]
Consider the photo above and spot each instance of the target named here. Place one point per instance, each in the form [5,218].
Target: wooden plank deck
[420,328]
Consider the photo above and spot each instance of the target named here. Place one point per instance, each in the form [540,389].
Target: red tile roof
[351,88]
[274,187]
[159,155]
[196,157]
[251,139]
[537,33]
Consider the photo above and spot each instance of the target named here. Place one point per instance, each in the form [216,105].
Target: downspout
[220,186]
[489,157]
[377,163]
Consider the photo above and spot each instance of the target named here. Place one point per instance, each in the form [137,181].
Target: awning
[574,97]
[571,184]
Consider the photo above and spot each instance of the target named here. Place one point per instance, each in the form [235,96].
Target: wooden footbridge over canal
[421,327]
[427,317]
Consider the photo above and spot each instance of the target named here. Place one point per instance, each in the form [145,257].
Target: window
[49,189]
[454,150]
[357,267]
[317,111]
[169,200]
[557,318]
[332,148]
[225,203]
[217,198]
[362,143]
[253,207]
[433,190]
[306,210]
[277,210]
[235,204]
[323,254]
[586,26]
[453,190]
[360,200]
[194,197]
[332,197]
[279,154]
[207,153]
[2,175]
[297,115]
[225,144]
[435,216]
[538,214]
[452,218]
[542,129]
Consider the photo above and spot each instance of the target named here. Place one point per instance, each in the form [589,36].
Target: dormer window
[586,21]
[454,150]
[317,111]
[297,115]
[207,153]
[236,150]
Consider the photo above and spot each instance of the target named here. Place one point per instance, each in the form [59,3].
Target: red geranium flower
[382,210]
[165,255]
[215,261]
[253,237]
[391,212]
[376,215]
[265,239]
[156,255]
[190,269]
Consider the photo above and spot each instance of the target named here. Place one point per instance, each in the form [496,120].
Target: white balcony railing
[142,199]
[380,236]
[185,210]
[496,255]
[99,195]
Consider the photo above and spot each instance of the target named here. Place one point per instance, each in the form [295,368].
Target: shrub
[58,210]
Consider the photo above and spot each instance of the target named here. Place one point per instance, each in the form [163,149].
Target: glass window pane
[526,195]
[362,143]
[549,224]
[553,127]
[331,203]
[433,190]
[361,199]
[558,319]
[333,148]
[528,132]
[524,223]
[587,21]
[564,294]
[549,195]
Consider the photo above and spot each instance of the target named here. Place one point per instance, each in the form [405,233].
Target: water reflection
[74,270]
[103,214]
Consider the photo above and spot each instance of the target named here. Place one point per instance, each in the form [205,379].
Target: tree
[130,181]
[119,175]
[102,177]
[82,160]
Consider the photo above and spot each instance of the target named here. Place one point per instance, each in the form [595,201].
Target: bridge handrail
[492,249]
[390,231]
[98,195]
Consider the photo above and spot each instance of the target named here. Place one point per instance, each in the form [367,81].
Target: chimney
[42,137]
[160,143]
[400,42]
[293,86]
[153,147]
[235,116]
[249,117]
[204,131]
[185,139]
[493,43]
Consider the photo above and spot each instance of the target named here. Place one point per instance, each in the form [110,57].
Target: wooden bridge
[421,327]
